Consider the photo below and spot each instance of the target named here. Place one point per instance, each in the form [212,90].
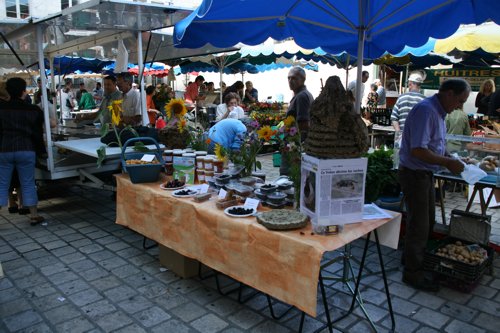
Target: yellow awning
[471,38]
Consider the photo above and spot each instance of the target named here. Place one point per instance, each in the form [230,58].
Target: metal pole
[361,46]
[41,66]
[145,118]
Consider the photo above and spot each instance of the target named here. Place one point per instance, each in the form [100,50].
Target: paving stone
[135,303]
[82,265]
[454,295]
[401,290]
[22,320]
[374,296]
[117,246]
[54,268]
[37,328]
[129,252]
[98,309]
[125,270]
[431,318]
[189,311]
[72,287]
[80,242]
[30,281]
[72,257]
[173,325]
[120,293]
[403,307]
[139,280]
[488,322]
[427,300]
[45,261]
[48,302]
[5,283]
[94,273]
[376,312]
[153,289]
[62,313]
[36,254]
[266,327]
[170,300]
[62,277]
[457,326]
[106,282]
[28,247]
[85,297]
[362,327]
[205,295]
[142,259]
[310,324]
[403,323]
[484,291]
[101,255]
[224,306]
[62,251]
[209,323]
[495,283]
[15,306]
[109,239]
[455,310]
[9,256]
[113,321]
[21,272]
[134,328]
[73,237]
[185,286]
[152,316]
[484,305]
[75,325]
[245,318]
[111,263]
[54,244]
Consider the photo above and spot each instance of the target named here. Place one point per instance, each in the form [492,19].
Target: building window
[17,8]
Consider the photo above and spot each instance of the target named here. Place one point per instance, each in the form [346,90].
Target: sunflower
[116,110]
[181,124]
[220,152]
[176,108]
[266,133]
[289,121]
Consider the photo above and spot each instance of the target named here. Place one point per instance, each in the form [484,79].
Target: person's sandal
[36,220]
[13,210]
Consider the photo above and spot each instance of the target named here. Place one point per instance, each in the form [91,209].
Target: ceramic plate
[226,211]
[177,195]
[162,186]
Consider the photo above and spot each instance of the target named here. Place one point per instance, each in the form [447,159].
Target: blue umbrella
[367,28]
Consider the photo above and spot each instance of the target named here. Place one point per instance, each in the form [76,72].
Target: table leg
[489,200]
[473,195]
[441,200]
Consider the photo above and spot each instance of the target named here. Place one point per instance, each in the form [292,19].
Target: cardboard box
[333,190]
[183,266]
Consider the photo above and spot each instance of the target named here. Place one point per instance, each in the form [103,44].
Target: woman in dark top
[483,96]
[21,140]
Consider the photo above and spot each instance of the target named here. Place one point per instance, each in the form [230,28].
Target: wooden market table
[285,265]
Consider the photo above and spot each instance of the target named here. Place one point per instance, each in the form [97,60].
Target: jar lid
[208,158]
[170,151]
[188,155]
[200,153]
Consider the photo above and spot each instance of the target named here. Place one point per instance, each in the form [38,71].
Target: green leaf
[139,146]
[258,165]
[101,155]
[104,129]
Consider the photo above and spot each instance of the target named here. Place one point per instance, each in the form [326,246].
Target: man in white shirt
[352,85]
[131,100]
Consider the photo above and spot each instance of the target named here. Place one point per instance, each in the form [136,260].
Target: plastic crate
[466,273]
[142,173]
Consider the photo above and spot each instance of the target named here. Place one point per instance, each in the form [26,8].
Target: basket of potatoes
[459,259]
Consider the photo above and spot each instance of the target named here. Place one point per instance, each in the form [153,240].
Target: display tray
[455,269]
[282,219]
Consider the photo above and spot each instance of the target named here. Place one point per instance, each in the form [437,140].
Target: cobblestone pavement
[83,273]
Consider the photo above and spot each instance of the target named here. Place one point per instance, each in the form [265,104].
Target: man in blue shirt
[228,133]
[423,151]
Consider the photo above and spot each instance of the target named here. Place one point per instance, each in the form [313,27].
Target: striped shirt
[403,106]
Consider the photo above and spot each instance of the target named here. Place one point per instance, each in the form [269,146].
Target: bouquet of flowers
[115,134]
[269,118]
[264,106]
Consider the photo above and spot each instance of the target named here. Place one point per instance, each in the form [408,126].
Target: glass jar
[201,176]
[169,169]
[200,162]
[218,166]
[168,156]
[208,163]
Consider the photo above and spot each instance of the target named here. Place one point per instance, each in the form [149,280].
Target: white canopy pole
[41,66]
[361,46]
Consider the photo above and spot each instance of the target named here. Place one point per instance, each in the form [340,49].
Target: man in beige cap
[407,101]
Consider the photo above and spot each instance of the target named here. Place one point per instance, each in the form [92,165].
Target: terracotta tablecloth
[282,264]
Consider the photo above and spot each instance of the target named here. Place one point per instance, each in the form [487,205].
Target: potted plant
[381,177]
